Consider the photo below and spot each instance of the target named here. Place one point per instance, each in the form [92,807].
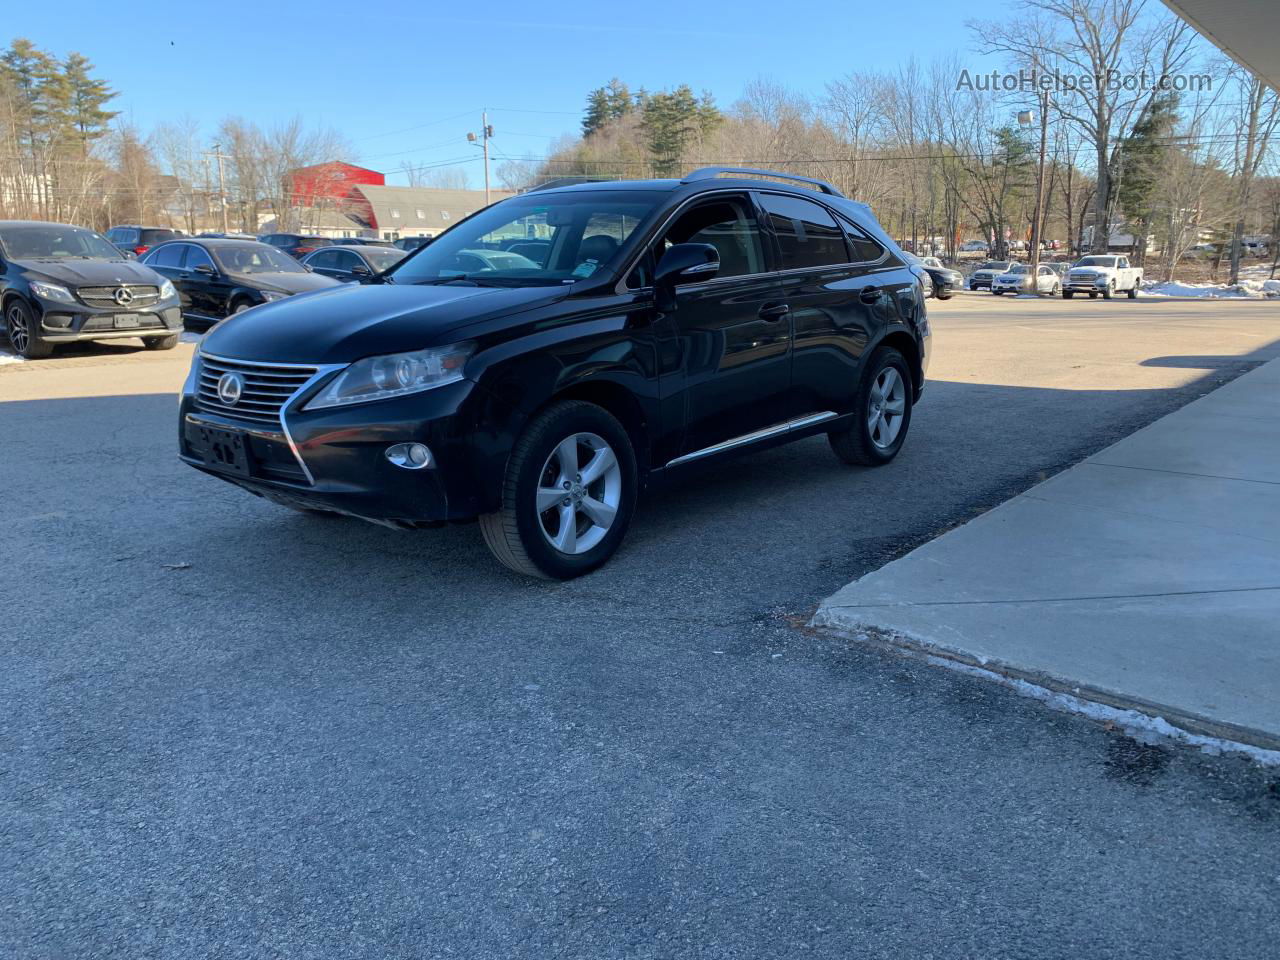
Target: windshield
[1096,262]
[381,258]
[995,265]
[533,240]
[57,243]
[254,258]
[1021,268]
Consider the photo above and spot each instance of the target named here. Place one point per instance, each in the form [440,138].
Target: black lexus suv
[60,284]
[659,324]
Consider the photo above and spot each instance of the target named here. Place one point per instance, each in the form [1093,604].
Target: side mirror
[359,270]
[205,269]
[687,263]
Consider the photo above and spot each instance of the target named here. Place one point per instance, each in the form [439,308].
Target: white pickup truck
[1107,274]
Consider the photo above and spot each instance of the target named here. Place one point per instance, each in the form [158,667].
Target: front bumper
[977,283]
[335,459]
[71,322]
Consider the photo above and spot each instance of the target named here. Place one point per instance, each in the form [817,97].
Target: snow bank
[1246,289]
[7,357]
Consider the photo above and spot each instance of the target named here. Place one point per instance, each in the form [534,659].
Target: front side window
[807,235]
[197,257]
[580,232]
[325,259]
[730,227]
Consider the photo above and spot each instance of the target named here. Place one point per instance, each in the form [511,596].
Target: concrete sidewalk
[1146,577]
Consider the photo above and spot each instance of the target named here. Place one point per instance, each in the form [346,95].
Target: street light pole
[1038,216]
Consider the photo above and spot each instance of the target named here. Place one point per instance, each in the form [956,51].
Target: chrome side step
[749,438]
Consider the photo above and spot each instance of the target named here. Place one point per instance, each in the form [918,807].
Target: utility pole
[486,132]
[222,184]
[1038,216]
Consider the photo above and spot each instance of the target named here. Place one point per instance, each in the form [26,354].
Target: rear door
[838,304]
[733,330]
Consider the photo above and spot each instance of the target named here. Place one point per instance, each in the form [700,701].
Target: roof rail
[709,173]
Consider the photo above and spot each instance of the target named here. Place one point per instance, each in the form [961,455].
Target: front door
[207,287]
[734,332]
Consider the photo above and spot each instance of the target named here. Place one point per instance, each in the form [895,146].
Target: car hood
[285,282]
[90,272]
[350,321]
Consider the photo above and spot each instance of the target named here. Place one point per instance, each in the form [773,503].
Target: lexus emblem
[123,296]
[230,386]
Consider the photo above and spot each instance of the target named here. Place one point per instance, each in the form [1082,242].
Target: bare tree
[1256,119]
[430,175]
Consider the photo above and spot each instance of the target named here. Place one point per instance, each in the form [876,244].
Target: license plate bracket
[226,450]
[124,321]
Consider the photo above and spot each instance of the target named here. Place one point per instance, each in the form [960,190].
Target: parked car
[410,244]
[1018,279]
[983,275]
[226,236]
[945,280]
[1106,275]
[60,284]
[676,322]
[362,242]
[138,240]
[352,264]
[218,278]
[296,245]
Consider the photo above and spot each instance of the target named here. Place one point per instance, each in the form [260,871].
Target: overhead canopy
[1248,31]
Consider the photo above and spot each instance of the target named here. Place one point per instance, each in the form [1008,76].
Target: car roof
[41,223]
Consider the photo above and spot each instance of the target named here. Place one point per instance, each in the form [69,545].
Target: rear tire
[1068,294]
[1133,291]
[858,444]
[21,327]
[160,343]
[571,443]
[998,293]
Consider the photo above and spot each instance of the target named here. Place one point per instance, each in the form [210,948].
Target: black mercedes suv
[60,284]
[658,325]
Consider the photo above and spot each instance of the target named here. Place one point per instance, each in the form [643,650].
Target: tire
[946,297]
[857,444]
[1133,291]
[20,325]
[1110,292]
[1068,294]
[239,306]
[535,543]
[1057,289]
[160,343]
[998,293]
[1092,295]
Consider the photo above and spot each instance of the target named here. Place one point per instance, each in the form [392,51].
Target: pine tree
[86,97]
[597,114]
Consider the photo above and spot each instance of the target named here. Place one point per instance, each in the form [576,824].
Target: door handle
[869,294]
[773,311]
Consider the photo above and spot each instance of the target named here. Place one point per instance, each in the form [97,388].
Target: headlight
[167,291]
[397,374]
[269,295]
[51,291]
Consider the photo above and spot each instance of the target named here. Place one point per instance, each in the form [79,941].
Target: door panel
[736,362]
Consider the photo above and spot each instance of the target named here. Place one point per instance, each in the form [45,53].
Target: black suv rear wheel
[882,415]
[568,495]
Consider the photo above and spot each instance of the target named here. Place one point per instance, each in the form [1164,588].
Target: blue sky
[406,81]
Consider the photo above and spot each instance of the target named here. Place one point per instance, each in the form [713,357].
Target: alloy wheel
[887,404]
[19,335]
[579,493]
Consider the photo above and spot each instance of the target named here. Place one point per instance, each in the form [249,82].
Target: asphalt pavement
[231,730]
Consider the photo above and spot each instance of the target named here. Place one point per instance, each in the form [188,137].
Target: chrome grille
[143,295]
[266,388]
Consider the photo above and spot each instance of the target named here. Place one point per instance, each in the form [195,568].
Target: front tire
[21,327]
[1133,291]
[881,415]
[1110,292]
[160,343]
[1068,294]
[568,495]
[998,293]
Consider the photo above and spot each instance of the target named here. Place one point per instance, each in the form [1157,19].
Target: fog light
[59,320]
[411,456]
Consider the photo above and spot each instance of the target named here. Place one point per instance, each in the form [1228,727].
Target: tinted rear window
[152,237]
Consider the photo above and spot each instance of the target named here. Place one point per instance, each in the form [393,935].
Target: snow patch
[1246,289]
[7,357]
[189,336]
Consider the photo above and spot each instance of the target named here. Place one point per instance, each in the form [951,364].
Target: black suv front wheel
[568,495]
[21,326]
